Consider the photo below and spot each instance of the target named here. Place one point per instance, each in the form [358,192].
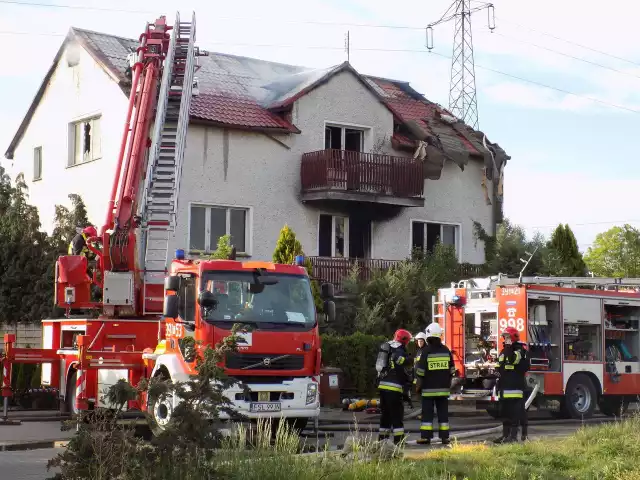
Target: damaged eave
[272,130]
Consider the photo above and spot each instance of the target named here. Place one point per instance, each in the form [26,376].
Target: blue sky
[573,160]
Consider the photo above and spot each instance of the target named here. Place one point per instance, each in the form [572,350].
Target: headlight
[312,392]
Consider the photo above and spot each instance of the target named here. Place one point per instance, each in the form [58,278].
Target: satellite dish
[73,55]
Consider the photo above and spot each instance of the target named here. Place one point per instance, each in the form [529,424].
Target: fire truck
[153,320]
[582,335]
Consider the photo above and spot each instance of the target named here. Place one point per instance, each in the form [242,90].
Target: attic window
[84,141]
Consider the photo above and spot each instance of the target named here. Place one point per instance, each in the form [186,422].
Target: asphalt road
[27,464]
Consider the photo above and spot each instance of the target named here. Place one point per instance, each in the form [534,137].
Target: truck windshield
[288,302]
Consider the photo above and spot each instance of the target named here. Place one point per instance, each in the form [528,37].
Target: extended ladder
[571,281]
[159,202]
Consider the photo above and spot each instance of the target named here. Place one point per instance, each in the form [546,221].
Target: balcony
[336,269]
[362,177]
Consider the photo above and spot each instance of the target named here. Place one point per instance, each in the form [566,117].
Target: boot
[423,441]
[505,435]
[525,435]
[513,434]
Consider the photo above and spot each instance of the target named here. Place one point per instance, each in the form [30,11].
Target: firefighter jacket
[416,361]
[395,377]
[513,363]
[435,369]
[78,245]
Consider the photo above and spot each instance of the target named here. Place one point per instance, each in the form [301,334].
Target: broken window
[333,236]
[425,235]
[85,139]
[343,138]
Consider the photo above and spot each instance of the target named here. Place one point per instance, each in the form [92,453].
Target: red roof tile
[236,111]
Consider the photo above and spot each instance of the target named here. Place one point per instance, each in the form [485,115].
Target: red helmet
[90,231]
[512,332]
[402,336]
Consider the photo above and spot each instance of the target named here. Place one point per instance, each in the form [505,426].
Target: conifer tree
[563,258]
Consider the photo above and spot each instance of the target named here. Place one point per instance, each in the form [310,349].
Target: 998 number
[517,323]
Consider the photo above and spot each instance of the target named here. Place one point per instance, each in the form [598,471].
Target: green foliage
[562,257]
[67,221]
[36,377]
[504,251]
[223,249]
[399,297]
[356,355]
[287,249]
[615,253]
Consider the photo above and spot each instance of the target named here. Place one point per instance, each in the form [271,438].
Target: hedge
[356,356]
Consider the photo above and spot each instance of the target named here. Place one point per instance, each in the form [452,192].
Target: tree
[223,249]
[562,257]
[67,221]
[288,247]
[26,260]
[615,253]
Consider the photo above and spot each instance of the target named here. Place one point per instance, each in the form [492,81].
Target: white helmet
[421,335]
[434,330]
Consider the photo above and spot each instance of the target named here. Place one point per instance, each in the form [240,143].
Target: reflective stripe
[398,431]
[509,367]
[512,394]
[426,426]
[384,430]
[401,360]
[420,371]
[443,426]
[392,387]
[518,357]
[438,356]
[435,392]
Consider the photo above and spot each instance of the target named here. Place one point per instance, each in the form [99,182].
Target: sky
[558,83]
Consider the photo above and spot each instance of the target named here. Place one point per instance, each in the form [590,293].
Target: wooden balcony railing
[335,269]
[366,173]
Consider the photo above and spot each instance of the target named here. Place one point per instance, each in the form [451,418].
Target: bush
[356,356]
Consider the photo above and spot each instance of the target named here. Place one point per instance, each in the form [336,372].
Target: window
[187,298]
[85,141]
[425,235]
[209,223]
[343,138]
[37,163]
[333,236]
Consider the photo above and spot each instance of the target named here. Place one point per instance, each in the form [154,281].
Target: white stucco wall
[259,173]
[72,96]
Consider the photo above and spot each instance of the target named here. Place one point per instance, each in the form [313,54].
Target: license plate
[264,396]
[265,407]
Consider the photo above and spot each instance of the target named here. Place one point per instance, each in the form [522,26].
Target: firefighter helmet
[90,231]
[421,335]
[511,332]
[402,336]
[434,330]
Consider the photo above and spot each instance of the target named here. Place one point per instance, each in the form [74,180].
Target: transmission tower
[463,102]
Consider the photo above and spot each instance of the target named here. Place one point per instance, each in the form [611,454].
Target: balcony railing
[336,269]
[362,173]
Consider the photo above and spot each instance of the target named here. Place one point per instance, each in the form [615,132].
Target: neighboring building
[329,151]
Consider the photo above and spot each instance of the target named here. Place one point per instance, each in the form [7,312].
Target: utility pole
[463,102]
[347,45]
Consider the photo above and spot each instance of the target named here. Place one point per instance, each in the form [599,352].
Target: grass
[610,451]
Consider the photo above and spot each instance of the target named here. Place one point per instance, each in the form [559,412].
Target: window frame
[333,234]
[248,230]
[365,129]
[37,150]
[86,158]
[456,225]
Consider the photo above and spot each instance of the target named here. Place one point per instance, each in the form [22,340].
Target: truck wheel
[70,396]
[580,397]
[160,410]
[613,406]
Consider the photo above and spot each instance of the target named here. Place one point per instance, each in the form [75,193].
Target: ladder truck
[148,309]
[582,335]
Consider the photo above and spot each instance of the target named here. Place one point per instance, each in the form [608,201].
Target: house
[328,151]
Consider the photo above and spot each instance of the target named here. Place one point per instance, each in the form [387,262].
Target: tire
[160,412]
[580,397]
[613,406]
[70,394]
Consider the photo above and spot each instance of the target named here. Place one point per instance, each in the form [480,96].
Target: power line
[390,50]
[608,222]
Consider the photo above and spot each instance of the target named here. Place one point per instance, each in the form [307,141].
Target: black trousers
[513,413]
[431,405]
[392,417]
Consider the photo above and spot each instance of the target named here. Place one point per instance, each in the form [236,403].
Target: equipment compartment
[544,333]
[622,339]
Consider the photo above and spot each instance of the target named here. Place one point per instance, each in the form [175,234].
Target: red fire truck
[582,335]
[147,309]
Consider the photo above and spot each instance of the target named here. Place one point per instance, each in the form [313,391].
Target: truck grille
[252,361]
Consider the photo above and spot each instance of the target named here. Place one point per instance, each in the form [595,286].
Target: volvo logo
[266,361]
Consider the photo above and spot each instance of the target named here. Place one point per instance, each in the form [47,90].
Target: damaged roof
[248,93]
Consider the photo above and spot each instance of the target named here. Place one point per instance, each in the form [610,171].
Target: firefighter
[421,339]
[392,381]
[513,364]
[78,245]
[434,371]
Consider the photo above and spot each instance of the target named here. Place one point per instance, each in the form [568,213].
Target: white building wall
[73,93]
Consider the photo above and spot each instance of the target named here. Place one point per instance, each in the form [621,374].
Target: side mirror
[170,308]
[266,280]
[330,310]
[327,291]
[207,299]
[172,284]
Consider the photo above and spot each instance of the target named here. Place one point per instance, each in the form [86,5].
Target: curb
[32,445]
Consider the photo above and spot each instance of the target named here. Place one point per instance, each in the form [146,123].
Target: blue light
[179,254]
[455,299]
[299,260]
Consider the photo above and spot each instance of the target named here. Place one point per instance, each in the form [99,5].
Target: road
[27,465]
